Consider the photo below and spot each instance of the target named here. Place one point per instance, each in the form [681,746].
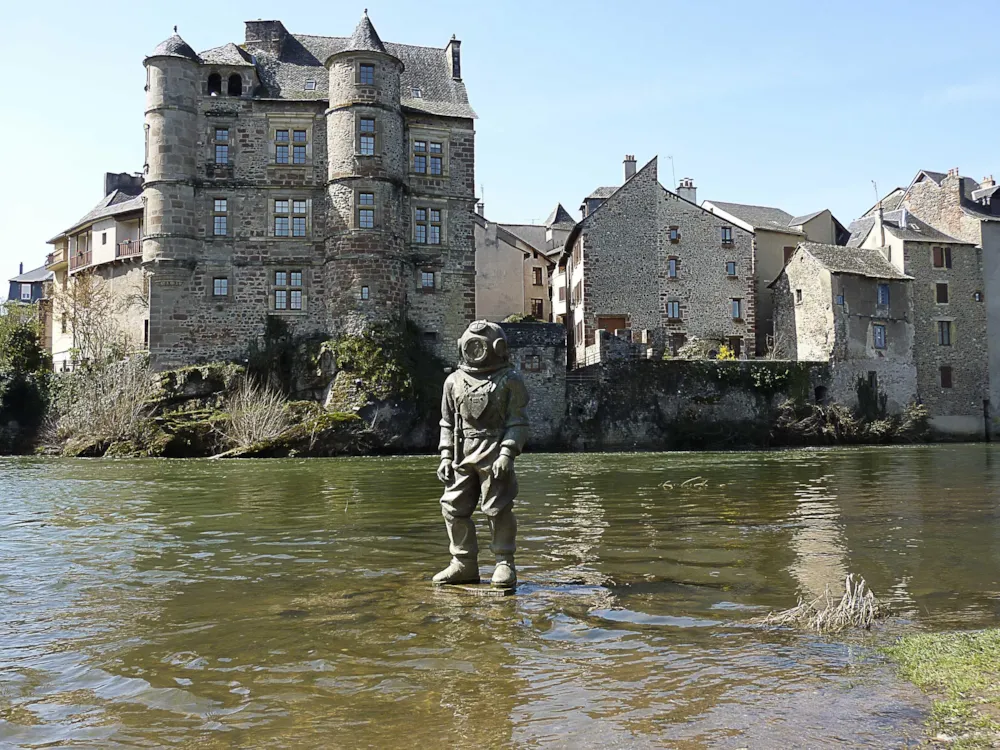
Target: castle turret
[367,277]
[172,83]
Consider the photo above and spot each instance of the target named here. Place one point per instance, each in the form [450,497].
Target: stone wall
[538,351]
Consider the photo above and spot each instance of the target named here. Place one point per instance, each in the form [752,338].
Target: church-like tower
[367,272]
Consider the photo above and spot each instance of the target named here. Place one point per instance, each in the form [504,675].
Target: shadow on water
[285,603]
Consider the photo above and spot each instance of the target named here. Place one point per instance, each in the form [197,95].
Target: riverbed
[286,604]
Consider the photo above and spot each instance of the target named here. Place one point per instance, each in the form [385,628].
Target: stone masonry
[648,260]
[326,182]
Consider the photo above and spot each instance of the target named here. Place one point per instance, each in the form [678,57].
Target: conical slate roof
[365,38]
[559,217]
[175,47]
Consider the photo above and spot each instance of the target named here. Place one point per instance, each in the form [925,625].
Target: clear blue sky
[798,105]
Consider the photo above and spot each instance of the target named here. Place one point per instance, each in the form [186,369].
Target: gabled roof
[759,217]
[227,54]
[890,201]
[860,229]
[114,203]
[303,56]
[904,225]
[365,38]
[174,47]
[602,192]
[559,217]
[532,234]
[33,276]
[856,261]
[800,220]
[938,177]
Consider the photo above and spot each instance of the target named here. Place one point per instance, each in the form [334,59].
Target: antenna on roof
[673,172]
[875,188]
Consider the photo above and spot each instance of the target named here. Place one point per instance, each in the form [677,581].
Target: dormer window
[417,93]
[366,74]
[310,85]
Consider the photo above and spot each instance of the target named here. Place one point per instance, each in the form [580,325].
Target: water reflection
[283,603]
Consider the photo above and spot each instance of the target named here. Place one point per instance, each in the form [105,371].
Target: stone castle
[324,181]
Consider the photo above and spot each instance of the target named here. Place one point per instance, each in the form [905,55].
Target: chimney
[127,183]
[881,227]
[481,208]
[687,190]
[629,167]
[266,36]
[988,182]
[454,54]
[902,217]
[953,172]
[20,268]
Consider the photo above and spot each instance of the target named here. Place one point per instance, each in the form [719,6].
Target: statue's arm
[516,427]
[446,444]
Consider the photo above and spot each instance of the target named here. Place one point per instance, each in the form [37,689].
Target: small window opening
[417,93]
[235,85]
[820,394]
[365,293]
[310,85]
[214,84]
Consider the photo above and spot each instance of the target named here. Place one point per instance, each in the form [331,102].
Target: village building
[949,315]
[28,286]
[323,183]
[852,308]
[776,235]
[514,265]
[97,274]
[656,268]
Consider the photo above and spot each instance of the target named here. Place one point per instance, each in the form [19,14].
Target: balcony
[80,261]
[128,249]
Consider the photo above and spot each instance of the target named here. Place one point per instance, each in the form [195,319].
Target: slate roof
[760,217]
[533,234]
[890,201]
[860,229]
[33,276]
[936,176]
[424,68]
[915,229]
[365,38]
[800,220]
[227,54]
[856,261]
[113,204]
[174,47]
[602,192]
[559,217]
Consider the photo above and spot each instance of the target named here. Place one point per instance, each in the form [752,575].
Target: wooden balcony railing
[128,249]
[81,260]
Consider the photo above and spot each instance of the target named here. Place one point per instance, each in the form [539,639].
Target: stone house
[323,182]
[949,315]
[776,235]
[654,265]
[852,308]
[970,211]
[104,247]
[514,266]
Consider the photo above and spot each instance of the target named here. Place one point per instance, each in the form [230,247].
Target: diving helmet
[483,347]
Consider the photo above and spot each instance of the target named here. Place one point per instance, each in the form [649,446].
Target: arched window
[214,84]
[235,85]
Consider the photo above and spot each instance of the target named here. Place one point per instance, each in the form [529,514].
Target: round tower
[172,84]
[366,269]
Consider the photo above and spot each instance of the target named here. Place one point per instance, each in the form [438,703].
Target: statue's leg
[498,504]
[457,504]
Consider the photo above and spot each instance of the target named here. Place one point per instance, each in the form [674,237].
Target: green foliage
[522,318]
[960,669]
[726,354]
[25,372]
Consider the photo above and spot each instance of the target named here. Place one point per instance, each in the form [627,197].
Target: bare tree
[94,314]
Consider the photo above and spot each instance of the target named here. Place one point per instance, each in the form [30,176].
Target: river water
[285,604]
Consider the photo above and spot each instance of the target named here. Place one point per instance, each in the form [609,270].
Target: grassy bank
[962,672]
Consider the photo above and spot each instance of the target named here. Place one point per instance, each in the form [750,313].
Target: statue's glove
[503,467]
[446,472]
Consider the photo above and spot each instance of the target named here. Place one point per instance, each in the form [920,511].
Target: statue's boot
[505,574]
[503,527]
[459,570]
